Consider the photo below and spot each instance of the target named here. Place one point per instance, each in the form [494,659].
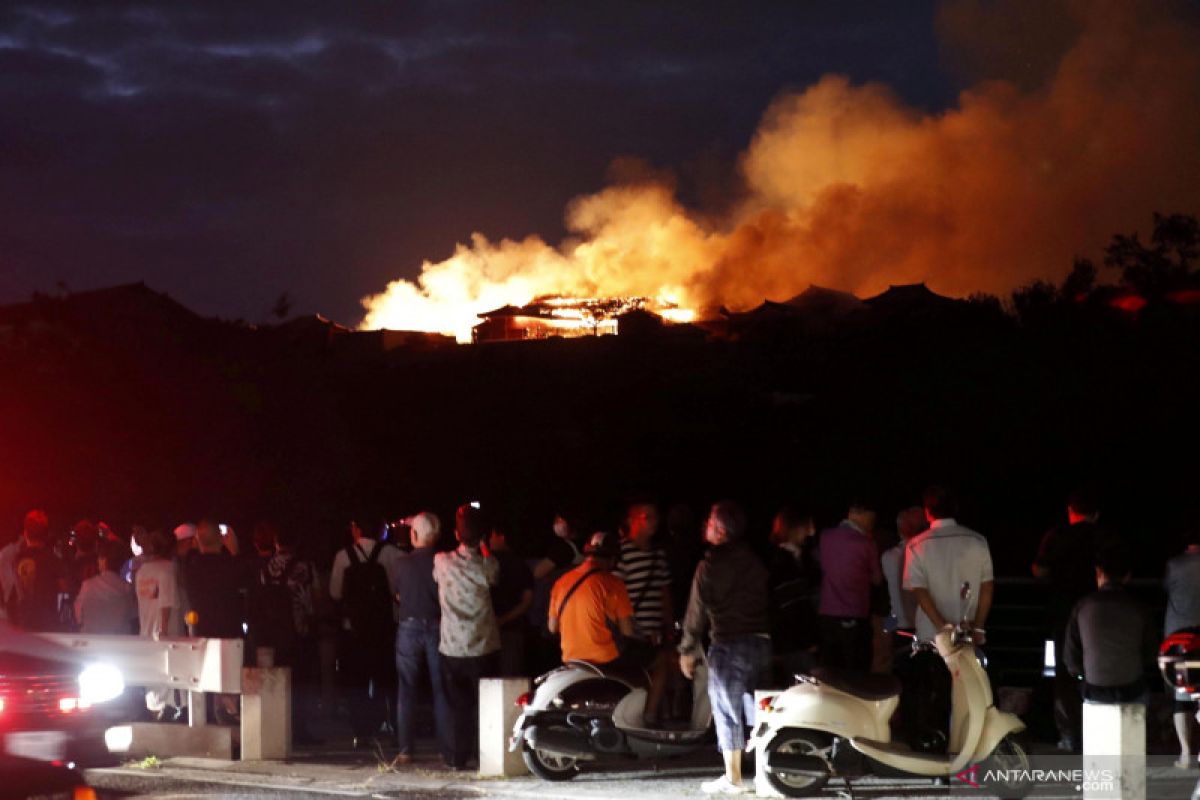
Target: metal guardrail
[193,665]
[1017,628]
[197,666]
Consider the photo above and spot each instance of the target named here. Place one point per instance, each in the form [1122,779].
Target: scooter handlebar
[918,645]
[961,634]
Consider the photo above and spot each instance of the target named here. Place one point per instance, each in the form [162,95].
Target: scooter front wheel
[1005,772]
[795,763]
[550,767]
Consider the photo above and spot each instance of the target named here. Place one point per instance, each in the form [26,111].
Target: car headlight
[119,739]
[99,683]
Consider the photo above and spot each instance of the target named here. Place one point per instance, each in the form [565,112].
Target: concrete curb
[364,781]
[290,784]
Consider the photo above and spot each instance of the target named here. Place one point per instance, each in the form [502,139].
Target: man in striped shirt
[647,576]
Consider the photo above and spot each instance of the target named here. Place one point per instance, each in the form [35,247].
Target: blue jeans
[735,669]
[417,653]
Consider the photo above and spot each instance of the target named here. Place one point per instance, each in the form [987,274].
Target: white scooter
[836,723]
[583,712]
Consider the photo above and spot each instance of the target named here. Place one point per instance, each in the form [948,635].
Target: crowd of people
[189,581]
[647,595]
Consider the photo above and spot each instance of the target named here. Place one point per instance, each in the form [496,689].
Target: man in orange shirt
[586,600]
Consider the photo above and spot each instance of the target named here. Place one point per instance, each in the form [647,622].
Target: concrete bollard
[266,713]
[1114,751]
[761,787]
[167,740]
[498,712]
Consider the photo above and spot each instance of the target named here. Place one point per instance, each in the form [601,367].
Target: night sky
[228,152]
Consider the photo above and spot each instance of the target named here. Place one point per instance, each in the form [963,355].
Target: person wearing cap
[418,638]
[185,539]
[469,637]
[850,572]
[585,600]
[729,602]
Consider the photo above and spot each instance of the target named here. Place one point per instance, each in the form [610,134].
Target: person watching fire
[729,601]
[30,576]
[586,600]
[469,639]
[644,569]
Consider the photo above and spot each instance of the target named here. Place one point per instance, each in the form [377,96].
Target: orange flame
[631,241]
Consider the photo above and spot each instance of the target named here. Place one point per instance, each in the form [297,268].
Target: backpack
[366,591]
[272,617]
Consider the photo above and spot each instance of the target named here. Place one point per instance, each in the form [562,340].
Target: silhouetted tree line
[1147,275]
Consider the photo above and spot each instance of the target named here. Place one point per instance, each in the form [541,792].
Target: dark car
[50,707]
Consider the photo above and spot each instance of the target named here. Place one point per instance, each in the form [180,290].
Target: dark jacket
[1110,637]
[729,597]
[795,583]
[415,588]
[213,582]
[40,575]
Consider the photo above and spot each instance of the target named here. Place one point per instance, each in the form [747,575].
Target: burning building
[569,317]
[817,308]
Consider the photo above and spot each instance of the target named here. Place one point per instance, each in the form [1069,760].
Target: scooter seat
[867,685]
[633,677]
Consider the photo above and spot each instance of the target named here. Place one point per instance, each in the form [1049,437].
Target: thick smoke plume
[845,186]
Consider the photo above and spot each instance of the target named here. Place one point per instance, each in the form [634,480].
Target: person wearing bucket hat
[185,539]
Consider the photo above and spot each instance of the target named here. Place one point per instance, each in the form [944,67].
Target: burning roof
[558,315]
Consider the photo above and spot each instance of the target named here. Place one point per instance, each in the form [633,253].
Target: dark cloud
[226,152]
[33,74]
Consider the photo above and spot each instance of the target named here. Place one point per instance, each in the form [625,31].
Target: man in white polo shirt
[938,562]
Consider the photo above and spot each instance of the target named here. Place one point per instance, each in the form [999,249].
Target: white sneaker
[723,785]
